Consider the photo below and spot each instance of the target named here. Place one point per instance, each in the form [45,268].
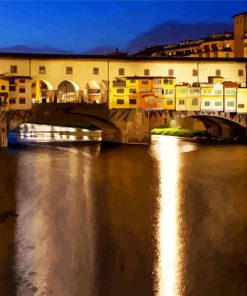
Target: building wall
[55,70]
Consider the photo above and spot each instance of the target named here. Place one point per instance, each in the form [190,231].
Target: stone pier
[132,127]
[9,120]
[3,129]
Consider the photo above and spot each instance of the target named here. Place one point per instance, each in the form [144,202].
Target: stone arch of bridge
[95,92]
[221,126]
[68,91]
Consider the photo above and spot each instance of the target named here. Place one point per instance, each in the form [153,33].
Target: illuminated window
[120,91]
[132,81]
[120,101]
[217,72]
[169,102]
[41,69]
[13,69]
[240,73]
[170,72]
[146,72]
[181,102]
[215,54]
[194,72]
[121,71]
[3,87]
[95,71]
[22,100]
[132,90]
[227,55]
[69,70]
[157,81]
[158,91]
[145,82]
[207,104]
[22,90]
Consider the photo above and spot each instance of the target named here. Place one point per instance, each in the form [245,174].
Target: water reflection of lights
[167,267]
[47,133]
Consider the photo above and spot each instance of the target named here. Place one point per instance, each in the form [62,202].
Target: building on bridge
[80,78]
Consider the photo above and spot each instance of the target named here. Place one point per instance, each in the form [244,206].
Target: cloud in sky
[173,32]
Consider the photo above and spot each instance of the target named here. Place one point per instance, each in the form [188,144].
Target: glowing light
[167,269]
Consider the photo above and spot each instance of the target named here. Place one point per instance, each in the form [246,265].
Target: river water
[78,220]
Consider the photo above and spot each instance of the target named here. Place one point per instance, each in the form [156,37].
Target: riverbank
[201,136]
[178,132]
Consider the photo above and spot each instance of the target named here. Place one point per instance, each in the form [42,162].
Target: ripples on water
[169,219]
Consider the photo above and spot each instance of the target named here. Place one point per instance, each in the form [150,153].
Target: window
[22,80]
[3,87]
[230,91]
[170,72]
[181,102]
[22,90]
[157,81]
[168,81]
[119,83]
[95,71]
[218,92]
[41,69]
[132,101]
[230,104]
[240,105]
[207,104]
[120,90]
[12,101]
[69,70]
[215,54]
[169,102]
[158,91]
[207,55]
[240,73]
[227,55]
[218,104]
[145,82]
[121,71]
[150,101]
[120,101]
[13,69]
[132,90]
[217,72]
[132,81]
[146,72]
[194,102]
[12,88]
[22,100]
[194,72]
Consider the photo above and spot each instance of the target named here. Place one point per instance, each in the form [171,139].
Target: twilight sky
[80,26]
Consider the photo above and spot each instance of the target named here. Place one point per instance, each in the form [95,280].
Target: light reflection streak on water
[167,275]
[48,133]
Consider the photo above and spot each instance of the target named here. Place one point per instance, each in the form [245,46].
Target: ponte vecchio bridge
[81,87]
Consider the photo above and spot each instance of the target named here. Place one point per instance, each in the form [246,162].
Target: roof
[30,56]
[244,12]
[14,77]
